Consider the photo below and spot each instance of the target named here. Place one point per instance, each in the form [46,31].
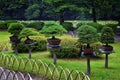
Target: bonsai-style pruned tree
[107,36]
[87,34]
[26,32]
[15,28]
[52,28]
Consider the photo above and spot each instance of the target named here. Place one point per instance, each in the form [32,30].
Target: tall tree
[11,7]
[116,11]
[32,12]
[60,6]
[93,5]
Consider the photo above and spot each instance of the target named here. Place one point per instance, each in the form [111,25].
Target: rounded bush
[37,25]
[68,26]
[26,32]
[113,26]
[96,25]
[52,27]
[87,34]
[107,35]
[40,46]
[15,28]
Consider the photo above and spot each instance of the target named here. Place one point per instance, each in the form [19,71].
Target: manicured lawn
[97,65]
[4,35]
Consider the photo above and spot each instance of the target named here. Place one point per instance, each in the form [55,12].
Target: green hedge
[96,25]
[68,26]
[40,46]
[37,25]
[79,24]
[68,49]
[71,48]
[5,24]
[67,52]
[113,26]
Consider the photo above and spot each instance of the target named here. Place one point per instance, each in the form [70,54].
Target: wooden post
[106,61]
[88,66]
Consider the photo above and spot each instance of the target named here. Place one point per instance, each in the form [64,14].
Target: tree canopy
[60,9]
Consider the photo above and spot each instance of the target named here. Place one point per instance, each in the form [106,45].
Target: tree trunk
[119,22]
[93,12]
[61,17]
[106,44]
[28,38]
[88,45]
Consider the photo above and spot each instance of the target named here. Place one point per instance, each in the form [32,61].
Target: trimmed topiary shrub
[37,25]
[96,25]
[107,35]
[26,32]
[87,34]
[51,28]
[40,46]
[15,28]
[68,26]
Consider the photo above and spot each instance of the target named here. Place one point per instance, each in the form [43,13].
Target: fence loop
[49,71]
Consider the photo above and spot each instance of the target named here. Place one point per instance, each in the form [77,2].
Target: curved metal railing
[6,74]
[43,70]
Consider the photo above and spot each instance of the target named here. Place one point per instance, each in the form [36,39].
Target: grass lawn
[97,65]
[4,35]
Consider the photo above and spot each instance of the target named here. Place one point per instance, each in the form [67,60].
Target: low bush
[68,26]
[68,49]
[5,24]
[79,24]
[96,25]
[113,26]
[40,46]
[66,52]
[37,25]
[8,22]
[24,23]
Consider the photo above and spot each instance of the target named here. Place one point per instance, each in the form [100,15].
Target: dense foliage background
[60,10]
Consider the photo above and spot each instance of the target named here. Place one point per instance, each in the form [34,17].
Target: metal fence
[43,70]
[5,46]
[6,74]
